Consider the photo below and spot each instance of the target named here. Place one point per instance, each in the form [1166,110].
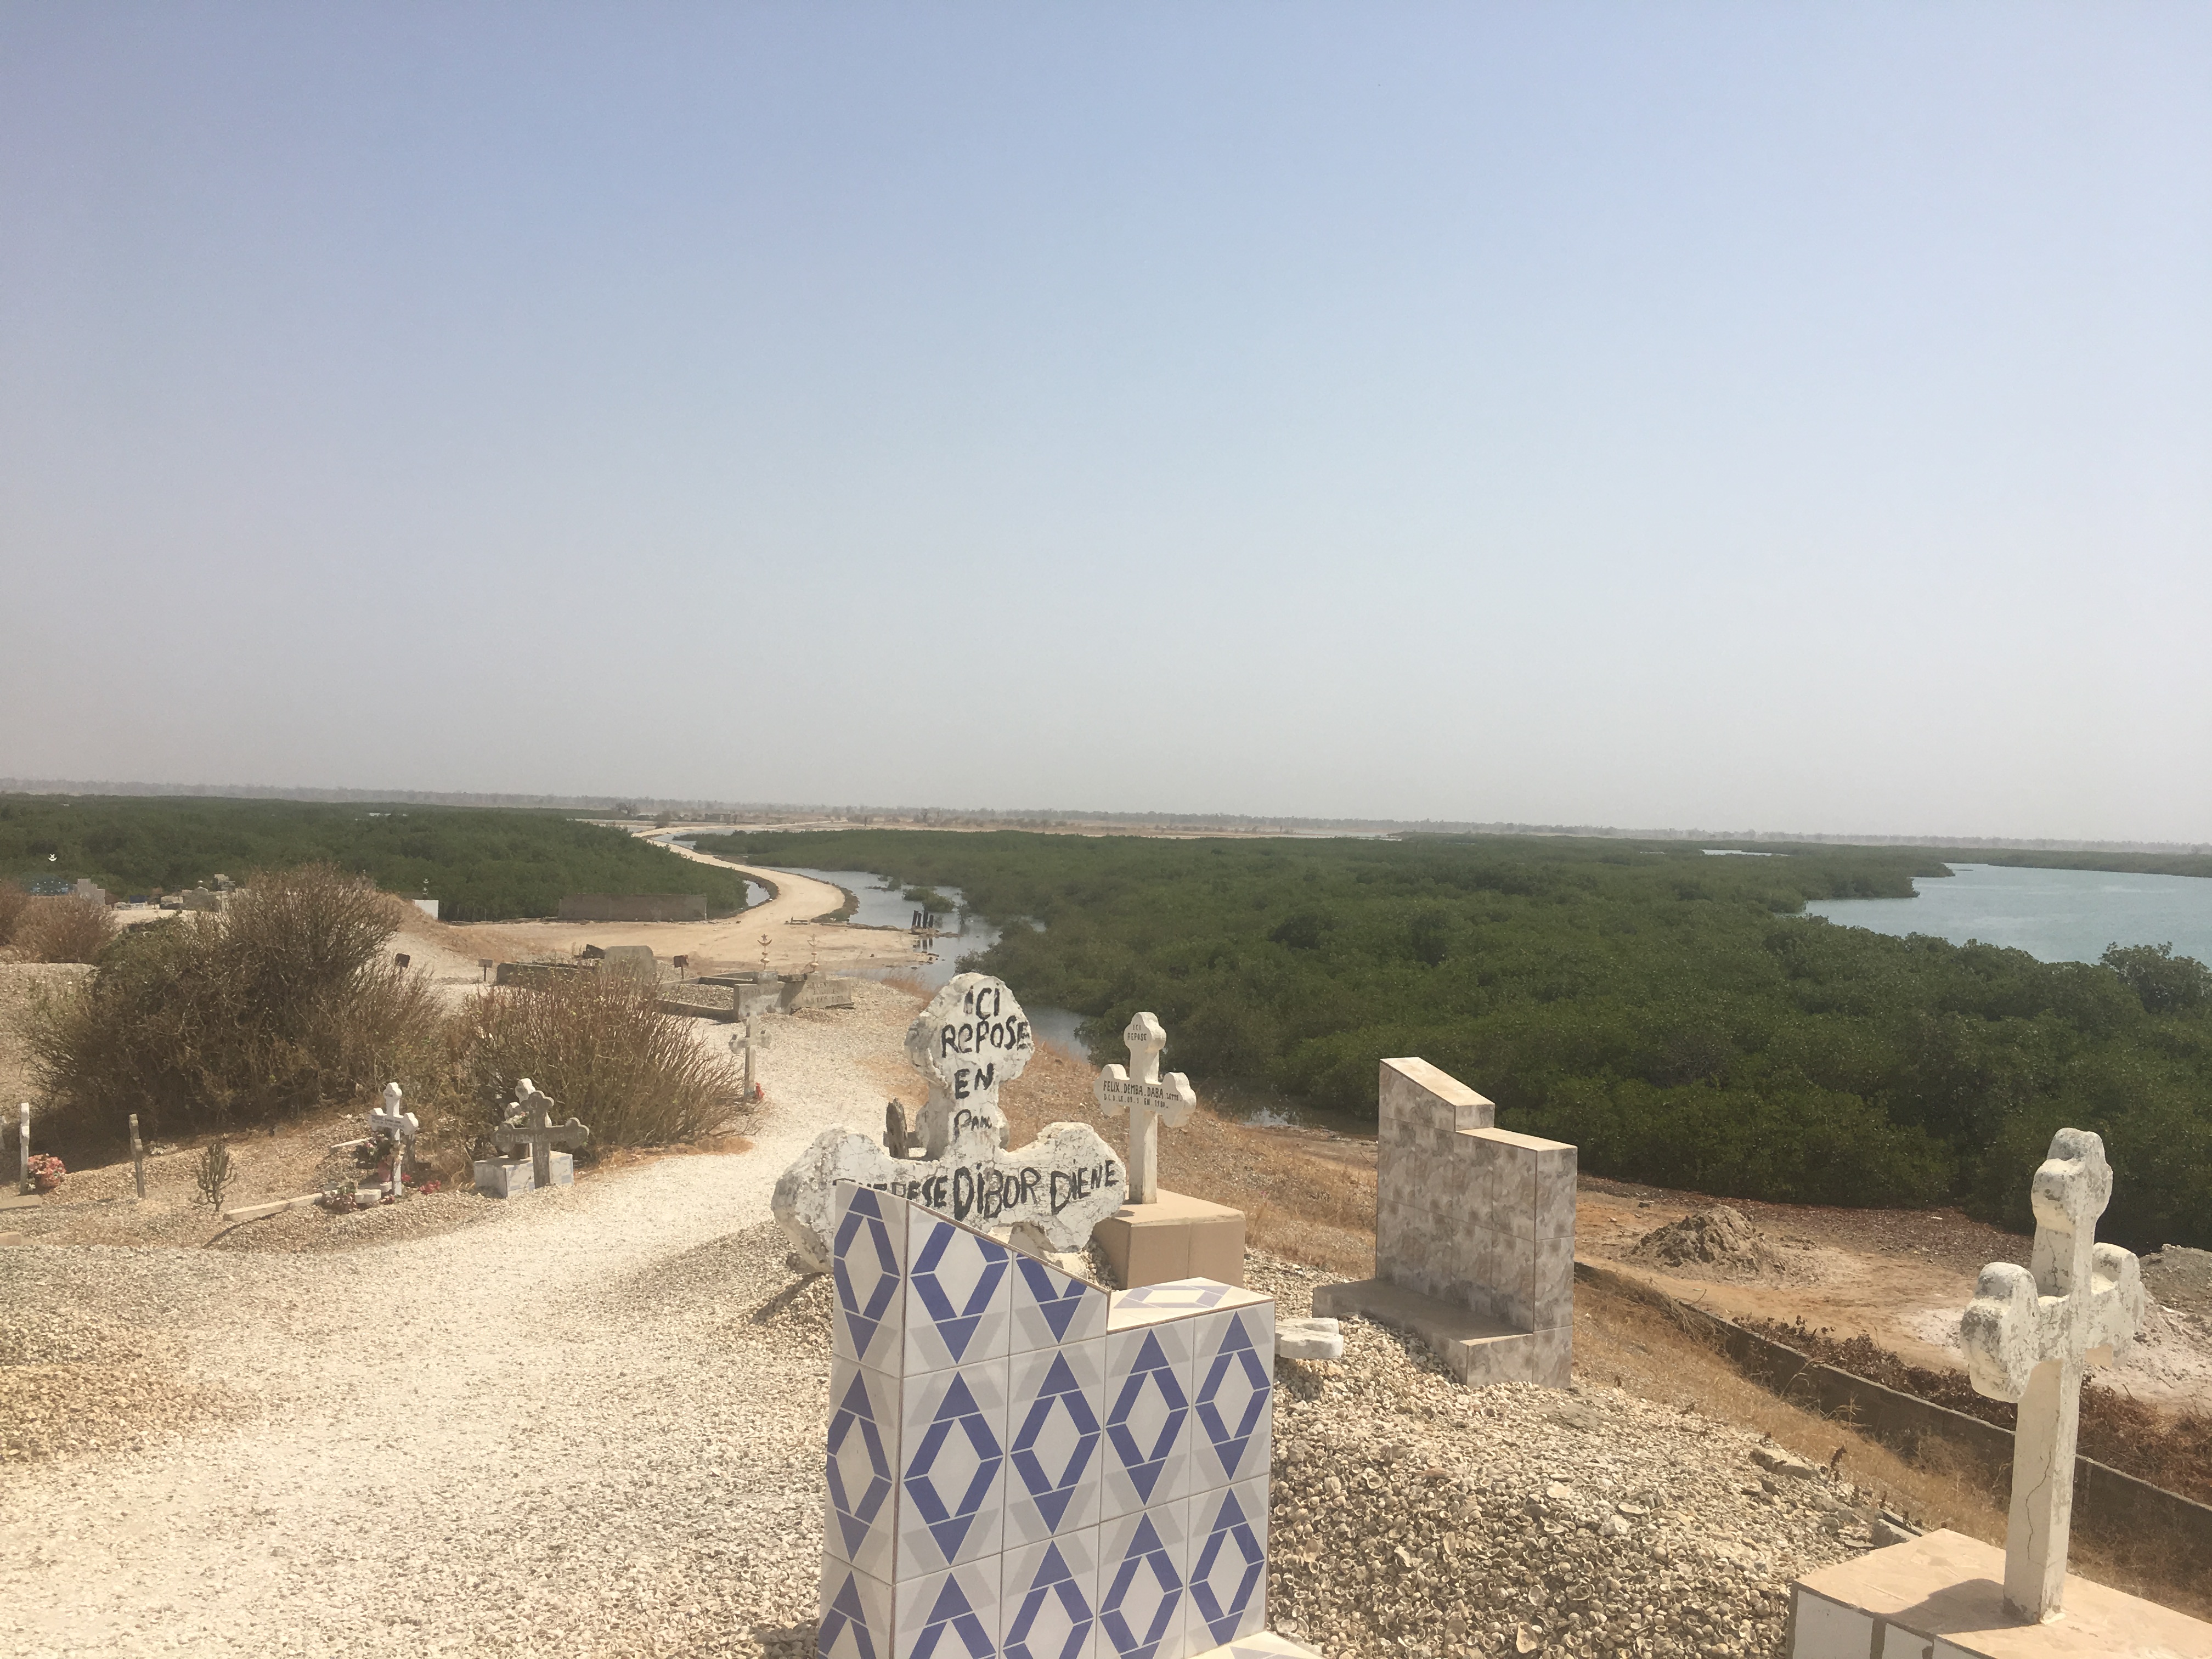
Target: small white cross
[390,1120]
[1149,1101]
[2028,1337]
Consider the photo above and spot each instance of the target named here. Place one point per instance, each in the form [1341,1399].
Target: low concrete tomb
[2029,1335]
[1474,1234]
[1022,1464]
[971,1039]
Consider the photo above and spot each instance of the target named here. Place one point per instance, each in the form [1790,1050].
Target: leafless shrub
[214,1174]
[602,1048]
[63,930]
[285,1002]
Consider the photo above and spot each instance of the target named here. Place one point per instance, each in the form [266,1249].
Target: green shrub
[287,1001]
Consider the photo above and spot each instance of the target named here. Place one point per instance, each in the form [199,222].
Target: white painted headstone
[1149,1102]
[390,1120]
[968,1041]
[2030,1333]
[972,1038]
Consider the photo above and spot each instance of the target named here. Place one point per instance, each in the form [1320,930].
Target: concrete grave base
[1178,1238]
[1942,1597]
[1476,1349]
[19,1200]
[510,1178]
[1260,1645]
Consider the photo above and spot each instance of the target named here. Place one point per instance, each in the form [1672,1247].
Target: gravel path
[591,1424]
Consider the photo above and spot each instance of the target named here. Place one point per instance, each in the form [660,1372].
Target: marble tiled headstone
[1022,1464]
[1474,1234]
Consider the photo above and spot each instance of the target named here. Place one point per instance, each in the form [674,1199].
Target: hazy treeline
[1665,1010]
[482,865]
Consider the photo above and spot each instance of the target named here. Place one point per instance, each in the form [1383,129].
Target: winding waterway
[2056,916]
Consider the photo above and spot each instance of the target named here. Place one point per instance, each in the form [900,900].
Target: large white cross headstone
[1148,1100]
[971,1038]
[2030,1333]
[389,1120]
[1045,1197]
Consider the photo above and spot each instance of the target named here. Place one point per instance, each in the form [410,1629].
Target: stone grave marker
[529,1136]
[26,1193]
[1149,1101]
[389,1119]
[2029,1336]
[1159,1235]
[971,1039]
[1046,1196]
[1474,1234]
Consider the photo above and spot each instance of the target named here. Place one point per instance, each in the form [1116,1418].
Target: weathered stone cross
[1140,1092]
[390,1120]
[2028,1337]
[531,1129]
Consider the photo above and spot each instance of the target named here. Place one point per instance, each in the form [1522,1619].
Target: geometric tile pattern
[1023,1466]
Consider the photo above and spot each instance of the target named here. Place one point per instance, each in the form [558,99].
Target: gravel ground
[592,1424]
[1414,1517]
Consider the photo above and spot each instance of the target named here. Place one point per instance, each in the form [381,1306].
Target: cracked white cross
[2029,1336]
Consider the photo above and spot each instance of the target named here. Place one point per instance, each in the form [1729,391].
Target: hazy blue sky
[1751,415]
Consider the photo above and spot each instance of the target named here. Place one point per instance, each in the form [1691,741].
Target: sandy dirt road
[795,939]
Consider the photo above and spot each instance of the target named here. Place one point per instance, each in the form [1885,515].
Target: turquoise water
[2057,915]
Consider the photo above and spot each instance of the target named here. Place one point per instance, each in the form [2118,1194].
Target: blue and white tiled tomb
[1023,1464]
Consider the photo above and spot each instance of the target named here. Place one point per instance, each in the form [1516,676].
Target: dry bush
[13,898]
[283,1003]
[602,1048]
[63,930]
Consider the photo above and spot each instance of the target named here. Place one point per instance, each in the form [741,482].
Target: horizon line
[1245,822]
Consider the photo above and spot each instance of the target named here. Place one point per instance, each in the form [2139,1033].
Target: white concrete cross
[530,1127]
[390,1120]
[2028,1337]
[1148,1100]
[748,1043]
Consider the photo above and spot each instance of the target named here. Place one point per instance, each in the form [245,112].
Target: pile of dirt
[1718,1243]
[2179,1277]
